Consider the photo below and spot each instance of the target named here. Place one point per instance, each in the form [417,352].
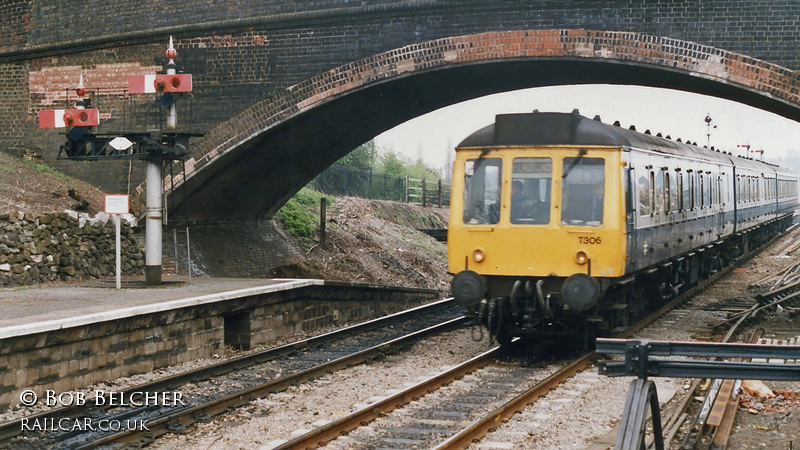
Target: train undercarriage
[556,309]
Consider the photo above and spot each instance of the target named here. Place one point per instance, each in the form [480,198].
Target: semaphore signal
[83,144]
[80,116]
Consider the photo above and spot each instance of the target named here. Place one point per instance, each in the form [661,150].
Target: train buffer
[644,359]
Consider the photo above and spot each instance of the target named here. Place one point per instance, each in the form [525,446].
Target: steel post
[152,269]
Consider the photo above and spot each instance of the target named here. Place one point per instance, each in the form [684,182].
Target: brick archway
[568,56]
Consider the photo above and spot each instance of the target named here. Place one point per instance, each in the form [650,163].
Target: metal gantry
[641,361]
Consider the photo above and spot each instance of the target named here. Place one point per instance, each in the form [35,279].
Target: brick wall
[243,52]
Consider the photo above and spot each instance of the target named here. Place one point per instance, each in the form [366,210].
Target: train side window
[667,193]
[652,196]
[701,192]
[482,191]
[678,192]
[686,198]
[698,188]
[691,191]
[530,190]
[706,190]
[644,195]
[583,190]
[739,189]
[659,188]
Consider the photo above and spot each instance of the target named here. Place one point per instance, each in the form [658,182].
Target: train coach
[564,228]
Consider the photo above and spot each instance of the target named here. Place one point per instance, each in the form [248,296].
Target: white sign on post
[117,204]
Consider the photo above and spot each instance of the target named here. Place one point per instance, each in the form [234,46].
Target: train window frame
[652,193]
[702,199]
[679,190]
[643,194]
[582,177]
[527,209]
[660,203]
[667,193]
[483,213]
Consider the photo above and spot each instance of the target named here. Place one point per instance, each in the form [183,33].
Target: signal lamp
[478,255]
[581,258]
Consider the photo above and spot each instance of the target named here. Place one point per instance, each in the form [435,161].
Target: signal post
[83,144]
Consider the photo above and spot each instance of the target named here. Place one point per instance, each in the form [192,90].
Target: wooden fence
[427,193]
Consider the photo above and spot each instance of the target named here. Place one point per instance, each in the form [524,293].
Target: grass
[41,168]
[300,216]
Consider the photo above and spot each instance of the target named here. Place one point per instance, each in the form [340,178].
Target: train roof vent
[575,111]
[632,127]
[678,140]
[597,118]
[659,134]
[647,131]
[616,123]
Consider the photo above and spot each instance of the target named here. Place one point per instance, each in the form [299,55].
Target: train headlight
[581,258]
[468,288]
[478,255]
[580,292]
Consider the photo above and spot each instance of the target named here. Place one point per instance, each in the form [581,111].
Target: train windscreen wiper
[581,154]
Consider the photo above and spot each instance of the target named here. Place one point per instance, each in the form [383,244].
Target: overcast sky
[679,114]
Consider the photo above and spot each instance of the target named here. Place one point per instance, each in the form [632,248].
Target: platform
[57,306]
[67,336]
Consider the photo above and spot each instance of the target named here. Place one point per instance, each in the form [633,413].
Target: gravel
[284,415]
[582,413]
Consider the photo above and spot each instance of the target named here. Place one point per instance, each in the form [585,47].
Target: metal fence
[340,180]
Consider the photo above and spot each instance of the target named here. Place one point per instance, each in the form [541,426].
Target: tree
[362,158]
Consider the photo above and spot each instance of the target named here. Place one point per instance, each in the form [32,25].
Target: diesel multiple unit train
[563,227]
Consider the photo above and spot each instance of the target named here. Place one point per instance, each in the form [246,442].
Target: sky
[675,113]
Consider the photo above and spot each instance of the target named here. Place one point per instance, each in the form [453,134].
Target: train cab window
[530,190]
[482,190]
[583,189]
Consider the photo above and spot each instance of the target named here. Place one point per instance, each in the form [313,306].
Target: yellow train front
[535,227]
[564,228]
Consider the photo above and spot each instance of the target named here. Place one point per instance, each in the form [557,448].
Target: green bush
[300,215]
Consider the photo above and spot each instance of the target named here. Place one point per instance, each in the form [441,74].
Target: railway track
[234,382]
[457,417]
[491,379]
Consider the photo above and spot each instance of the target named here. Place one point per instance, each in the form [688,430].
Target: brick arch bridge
[287,86]
[250,165]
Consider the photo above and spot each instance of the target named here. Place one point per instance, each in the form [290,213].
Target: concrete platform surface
[29,310]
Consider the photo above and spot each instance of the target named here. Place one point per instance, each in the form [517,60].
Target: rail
[11,429]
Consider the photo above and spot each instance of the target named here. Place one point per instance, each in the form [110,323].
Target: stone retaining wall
[63,246]
[70,359]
